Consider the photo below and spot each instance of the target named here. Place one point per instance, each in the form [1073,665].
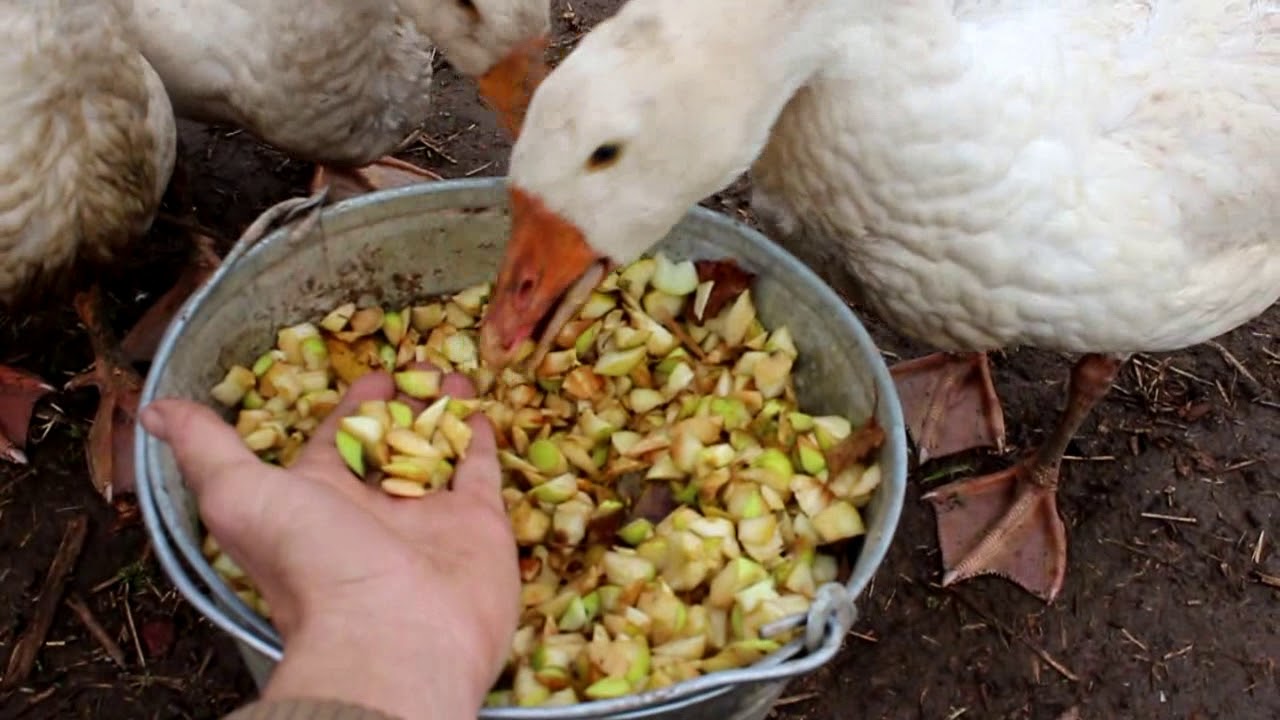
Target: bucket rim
[230,614]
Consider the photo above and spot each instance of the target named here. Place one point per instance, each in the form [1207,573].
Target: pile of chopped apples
[669,497]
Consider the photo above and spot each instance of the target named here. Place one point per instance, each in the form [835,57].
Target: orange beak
[508,86]
[547,259]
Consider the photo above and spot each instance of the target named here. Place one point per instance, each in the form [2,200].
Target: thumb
[236,497]
[209,452]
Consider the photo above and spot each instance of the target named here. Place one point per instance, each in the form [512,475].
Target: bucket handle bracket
[304,211]
[832,609]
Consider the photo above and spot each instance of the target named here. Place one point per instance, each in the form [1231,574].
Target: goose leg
[110,445]
[1007,523]
[19,392]
[949,403]
[140,343]
[387,172]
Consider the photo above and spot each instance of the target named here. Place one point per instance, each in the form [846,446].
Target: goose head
[498,43]
[640,122]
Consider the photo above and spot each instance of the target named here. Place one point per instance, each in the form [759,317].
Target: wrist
[409,669]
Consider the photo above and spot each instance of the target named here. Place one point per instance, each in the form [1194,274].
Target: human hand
[405,606]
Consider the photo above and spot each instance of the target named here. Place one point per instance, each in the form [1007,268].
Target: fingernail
[153,420]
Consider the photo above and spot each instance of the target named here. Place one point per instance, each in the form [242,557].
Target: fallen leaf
[730,282]
[656,502]
[351,361]
[19,392]
[1182,465]
[1192,412]
[856,448]
[157,636]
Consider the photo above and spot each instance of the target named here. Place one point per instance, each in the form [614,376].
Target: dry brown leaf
[857,448]
[349,360]
[730,282]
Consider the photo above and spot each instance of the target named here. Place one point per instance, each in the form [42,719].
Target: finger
[226,478]
[458,386]
[208,451]
[478,477]
[320,456]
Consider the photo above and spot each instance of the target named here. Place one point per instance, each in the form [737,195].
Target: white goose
[87,147]
[1091,176]
[340,83]
[337,82]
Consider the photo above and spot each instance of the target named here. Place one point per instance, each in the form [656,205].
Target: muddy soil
[1172,502]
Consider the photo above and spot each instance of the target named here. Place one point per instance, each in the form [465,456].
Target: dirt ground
[1172,505]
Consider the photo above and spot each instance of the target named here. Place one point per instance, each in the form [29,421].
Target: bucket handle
[831,602]
[305,211]
[830,618]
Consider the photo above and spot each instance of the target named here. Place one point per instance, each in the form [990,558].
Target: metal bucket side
[751,701]
[456,231]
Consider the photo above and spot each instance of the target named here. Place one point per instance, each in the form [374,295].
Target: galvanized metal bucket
[399,245]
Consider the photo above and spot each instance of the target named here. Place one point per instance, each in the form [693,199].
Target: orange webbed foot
[140,344]
[949,404]
[388,172]
[1005,524]
[109,450]
[19,393]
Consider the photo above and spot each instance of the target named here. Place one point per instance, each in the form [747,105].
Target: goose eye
[604,156]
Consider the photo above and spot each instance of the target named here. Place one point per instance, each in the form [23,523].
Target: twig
[204,664]
[95,629]
[1169,518]
[1129,636]
[133,630]
[28,646]
[685,339]
[142,560]
[1238,466]
[104,584]
[435,147]
[1269,580]
[1063,670]
[802,697]
[1250,380]
[1178,653]
[39,697]
[412,138]
[1257,548]
[1189,375]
